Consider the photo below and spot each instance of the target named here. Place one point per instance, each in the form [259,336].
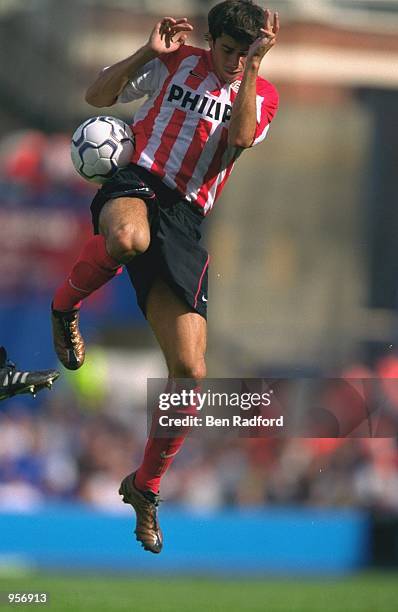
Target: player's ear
[209,39]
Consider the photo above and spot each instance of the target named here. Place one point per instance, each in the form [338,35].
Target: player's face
[229,57]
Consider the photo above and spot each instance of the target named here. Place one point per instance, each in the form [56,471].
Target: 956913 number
[27,598]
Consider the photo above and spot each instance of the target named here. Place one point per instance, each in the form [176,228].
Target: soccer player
[13,382]
[203,108]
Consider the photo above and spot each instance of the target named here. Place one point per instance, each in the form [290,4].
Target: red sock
[94,268]
[160,453]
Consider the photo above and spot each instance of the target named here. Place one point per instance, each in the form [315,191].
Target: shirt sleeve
[145,82]
[152,75]
[267,101]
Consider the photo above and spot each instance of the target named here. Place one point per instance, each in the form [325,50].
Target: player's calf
[92,270]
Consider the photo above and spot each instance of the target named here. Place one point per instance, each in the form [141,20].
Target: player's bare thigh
[124,224]
[181,333]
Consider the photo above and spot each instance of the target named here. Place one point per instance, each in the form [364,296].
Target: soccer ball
[100,146]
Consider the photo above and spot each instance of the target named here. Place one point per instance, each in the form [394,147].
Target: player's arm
[242,126]
[111,82]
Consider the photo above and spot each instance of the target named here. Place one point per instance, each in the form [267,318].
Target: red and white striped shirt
[181,130]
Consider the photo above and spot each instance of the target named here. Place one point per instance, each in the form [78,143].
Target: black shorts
[174,253]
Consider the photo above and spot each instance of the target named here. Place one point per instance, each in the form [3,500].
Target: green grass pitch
[370,592]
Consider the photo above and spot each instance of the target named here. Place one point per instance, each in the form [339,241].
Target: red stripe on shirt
[200,70]
[221,186]
[144,128]
[173,60]
[213,170]
[169,136]
[193,154]
[269,105]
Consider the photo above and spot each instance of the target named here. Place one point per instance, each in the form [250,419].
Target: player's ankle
[60,304]
[142,483]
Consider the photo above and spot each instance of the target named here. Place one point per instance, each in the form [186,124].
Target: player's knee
[141,239]
[194,369]
[125,242]
[120,246]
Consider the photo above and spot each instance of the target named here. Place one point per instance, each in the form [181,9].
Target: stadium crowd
[59,452]
[66,449]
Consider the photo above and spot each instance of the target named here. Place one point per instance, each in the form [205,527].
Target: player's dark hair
[240,19]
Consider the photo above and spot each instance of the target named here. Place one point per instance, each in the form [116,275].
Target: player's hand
[267,39]
[169,34]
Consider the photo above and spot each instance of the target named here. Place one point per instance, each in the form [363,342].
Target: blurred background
[303,282]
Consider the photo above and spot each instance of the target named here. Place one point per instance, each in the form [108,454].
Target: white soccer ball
[100,146]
